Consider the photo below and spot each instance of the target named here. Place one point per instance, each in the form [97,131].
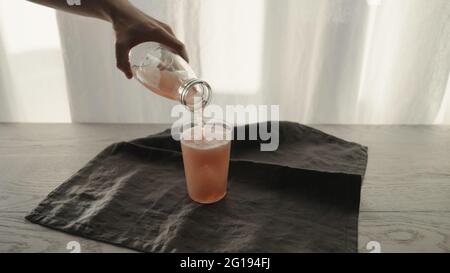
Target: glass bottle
[167,74]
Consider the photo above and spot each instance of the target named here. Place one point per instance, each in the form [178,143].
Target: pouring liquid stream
[198,117]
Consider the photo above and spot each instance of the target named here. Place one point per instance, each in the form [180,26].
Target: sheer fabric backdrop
[324,61]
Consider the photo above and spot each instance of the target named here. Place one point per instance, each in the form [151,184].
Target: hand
[137,28]
[131,25]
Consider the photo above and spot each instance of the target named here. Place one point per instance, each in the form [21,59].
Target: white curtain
[32,77]
[322,61]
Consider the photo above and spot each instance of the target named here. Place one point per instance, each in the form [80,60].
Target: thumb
[122,60]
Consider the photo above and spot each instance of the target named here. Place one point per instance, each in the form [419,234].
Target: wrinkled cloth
[303,197]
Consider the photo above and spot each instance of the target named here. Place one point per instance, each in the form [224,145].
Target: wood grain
[395,231]
[19,236]
[408,167]
[405,203]
[405,231]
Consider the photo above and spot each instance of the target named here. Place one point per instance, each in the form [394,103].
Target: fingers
[173,43]
[167,28]
[169,39]
[122,61]
[162,34]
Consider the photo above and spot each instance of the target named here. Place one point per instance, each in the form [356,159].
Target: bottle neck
[194,89]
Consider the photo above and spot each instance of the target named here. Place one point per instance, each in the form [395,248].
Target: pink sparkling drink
[206,157]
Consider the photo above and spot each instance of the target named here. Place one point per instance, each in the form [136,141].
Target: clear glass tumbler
[206,157]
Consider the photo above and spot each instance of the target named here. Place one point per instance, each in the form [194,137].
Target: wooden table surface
[405,202]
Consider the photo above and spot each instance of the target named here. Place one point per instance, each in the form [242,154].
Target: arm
[131,25]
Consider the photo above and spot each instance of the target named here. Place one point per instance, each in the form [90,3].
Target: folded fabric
[303,197]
